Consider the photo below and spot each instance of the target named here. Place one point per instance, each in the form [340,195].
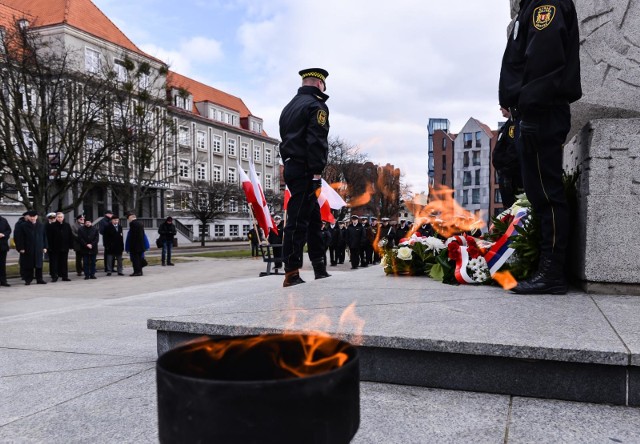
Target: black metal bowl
[245,397]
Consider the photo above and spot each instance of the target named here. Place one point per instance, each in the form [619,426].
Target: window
[465,159]
[143,81]
[246,229]
[185,200]
[218,230]
[475,196]
[201,140]
[476,158]
[245,208]
[444,143]
[244,150]
[93,148]
[477,177]
[468,140]
[444,162]
[497,197]
[169,165]
[231,147]
[267,181]
[257,153]
[231,176]
[444,179]
[267,156]
[183,171]
[496,177]
[120,70]
[218,205]
[183,135]
[217,173]
[27,99]
[202,171]
[183,102]
[478,139]
[467,178]
[233,206]
[92,61]
[465,197]
[217,143]
[203,201]
[233,230]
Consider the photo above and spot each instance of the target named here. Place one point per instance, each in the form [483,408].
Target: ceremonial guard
[342,241]
[304,130]
[539,78]
[387,233]
[402,230]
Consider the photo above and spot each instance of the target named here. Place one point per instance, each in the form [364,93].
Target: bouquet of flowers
[414,256]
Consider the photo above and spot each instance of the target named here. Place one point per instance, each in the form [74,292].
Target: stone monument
[604,144]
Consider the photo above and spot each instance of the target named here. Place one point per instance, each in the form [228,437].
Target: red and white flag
[287,196]
[264,220]
[253,200]
[329,199]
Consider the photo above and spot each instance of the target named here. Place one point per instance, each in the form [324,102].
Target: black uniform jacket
[304,128]
[113,240]
[59,237]
[356,237]
[505,156]
[541,64]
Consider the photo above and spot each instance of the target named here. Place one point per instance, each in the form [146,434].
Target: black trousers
[304,223]
[333,255]
[136,261]
[79,264]
[539,144]
[354,257]
[58,264]
[3,266]
[341,254]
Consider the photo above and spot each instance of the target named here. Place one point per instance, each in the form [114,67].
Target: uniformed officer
[355,238]
[505,161]
[387,232]
[539,78]
[304,130]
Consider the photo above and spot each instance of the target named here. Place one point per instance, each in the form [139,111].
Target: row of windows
[184,171]
[93,64]
[475,158]
[468,139]
[224,117]
[467,179]
[184,138]
[475,196]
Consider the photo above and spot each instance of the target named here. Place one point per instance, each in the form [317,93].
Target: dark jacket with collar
[113,240]
[59,237]
[304,130]
[5,229]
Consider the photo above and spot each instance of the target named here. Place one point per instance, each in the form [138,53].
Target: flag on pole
[287,196]
[264,218]
[327,200]
[252,200]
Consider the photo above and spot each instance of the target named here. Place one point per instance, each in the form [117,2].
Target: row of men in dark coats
[56,238]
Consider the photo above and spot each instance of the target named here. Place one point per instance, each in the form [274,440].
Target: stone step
[420,332]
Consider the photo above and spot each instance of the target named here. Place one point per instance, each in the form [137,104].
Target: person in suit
[342,242]
[167,232]
[5,232]
[135,243]
[60,241]
[113,242]
[77,247]
[355,240]
[89,236]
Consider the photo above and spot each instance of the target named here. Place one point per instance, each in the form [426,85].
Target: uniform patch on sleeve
[512,131]
[322,117]
[543,16]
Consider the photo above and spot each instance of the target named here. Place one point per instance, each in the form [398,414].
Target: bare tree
[386,197]
[207,202]
[50,113]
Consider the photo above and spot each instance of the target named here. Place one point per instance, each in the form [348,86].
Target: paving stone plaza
[78,358]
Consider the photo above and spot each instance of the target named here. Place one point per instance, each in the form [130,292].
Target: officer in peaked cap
[539,78]
[304,130]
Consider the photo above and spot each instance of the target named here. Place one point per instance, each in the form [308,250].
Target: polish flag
[287,196]
[329,199]
[249,192]
[264,219]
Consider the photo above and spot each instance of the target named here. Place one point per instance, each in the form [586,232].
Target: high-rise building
[434,125]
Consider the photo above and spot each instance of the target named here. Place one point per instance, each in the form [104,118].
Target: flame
[316,351]
[444,214]
[505,279]
[363,199]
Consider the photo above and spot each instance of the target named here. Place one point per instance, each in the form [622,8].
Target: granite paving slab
[416,415]
[16,362]
[475,320]
[549,421]
[32,394]
[624,314]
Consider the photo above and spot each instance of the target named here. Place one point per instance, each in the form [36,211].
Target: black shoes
[66,279]
[120,274]
[55,279]
[292,278]
[171,264]
[40,282]
[136,274]
[320,271]
[5,284]
[549,279]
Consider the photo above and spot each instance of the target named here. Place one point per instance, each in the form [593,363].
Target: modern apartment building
[433,126]
[462,162]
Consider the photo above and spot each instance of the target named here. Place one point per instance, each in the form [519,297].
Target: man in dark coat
[167,232]
[364,248]
[113,242]
[255,242]
[102,225]
[60,241]
[342,242]
[387,233]
[5,232]
[31,243]
[77,247]
[336,234]
[402,230]
[355,240]
[135,244]
[304,130]
[539,78]
[89,236]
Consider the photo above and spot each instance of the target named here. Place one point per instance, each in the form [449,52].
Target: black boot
[292,278]
[320,270]
[549,279]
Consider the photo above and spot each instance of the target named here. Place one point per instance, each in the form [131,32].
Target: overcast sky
[392,64]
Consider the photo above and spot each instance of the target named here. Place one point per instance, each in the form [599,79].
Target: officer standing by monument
[304,129]
[539,78]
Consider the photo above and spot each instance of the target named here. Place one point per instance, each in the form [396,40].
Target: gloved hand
[316,186]
[529,135]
